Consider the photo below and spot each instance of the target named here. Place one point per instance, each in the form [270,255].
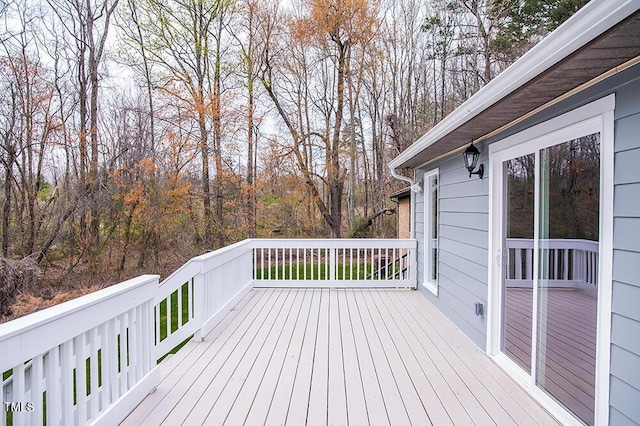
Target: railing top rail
[38,332]
[187,265]
[195,265]
[221,251]
[333,239]
[209,261]
[334,243]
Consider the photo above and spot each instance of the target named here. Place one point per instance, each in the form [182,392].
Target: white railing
[93,359]
[565,263]
[201,292]
[81,358]
[334,263]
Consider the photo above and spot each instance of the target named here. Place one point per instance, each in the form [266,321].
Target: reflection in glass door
[518,254]
[552,294]
[567,296]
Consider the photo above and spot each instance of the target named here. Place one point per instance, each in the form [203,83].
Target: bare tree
[185,40]
[87,24]
[329,30]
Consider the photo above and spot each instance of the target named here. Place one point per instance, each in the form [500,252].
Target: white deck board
[429,381]
[233,406]
[413,405]
[318,393]
[297,409]
[465,400]
[396,410]
[191,385]
[319,356]
[275,388]
[520,406]
[219,394]
[375,403]
[356,406]
[337,388]
[176,370]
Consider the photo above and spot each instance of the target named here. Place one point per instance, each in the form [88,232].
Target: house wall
[464,219]
[463,243]
[625,321]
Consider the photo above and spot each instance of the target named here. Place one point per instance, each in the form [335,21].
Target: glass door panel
[519,178]
[567,286]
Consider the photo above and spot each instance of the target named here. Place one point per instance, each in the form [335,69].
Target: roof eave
[587,24]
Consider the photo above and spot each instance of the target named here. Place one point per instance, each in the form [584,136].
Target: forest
[135,134]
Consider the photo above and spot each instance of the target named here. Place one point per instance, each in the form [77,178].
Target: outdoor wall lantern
[471,156]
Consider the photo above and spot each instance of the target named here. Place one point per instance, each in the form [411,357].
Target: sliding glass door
[550,219]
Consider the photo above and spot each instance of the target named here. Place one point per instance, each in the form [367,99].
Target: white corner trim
[431,285]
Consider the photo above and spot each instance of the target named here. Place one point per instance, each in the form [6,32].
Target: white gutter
[412,201]
[395,174]
[588,23]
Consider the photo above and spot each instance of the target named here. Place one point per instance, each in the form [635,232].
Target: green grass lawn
[319,272]
[185,315]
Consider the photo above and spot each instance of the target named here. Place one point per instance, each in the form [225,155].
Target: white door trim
[428,283]
[597,116]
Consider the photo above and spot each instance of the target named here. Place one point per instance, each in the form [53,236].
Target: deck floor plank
[354,393]
[413,404]
[347,356]
[220,394]
[215,366]
[298,407]
[318,393]
[519,404]
[192,359]
[274,393]
[433,389]
[464,397]
[396,410]
[375,402]
[337,388]
[233,407]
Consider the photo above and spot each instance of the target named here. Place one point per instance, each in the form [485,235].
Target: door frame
[596,116]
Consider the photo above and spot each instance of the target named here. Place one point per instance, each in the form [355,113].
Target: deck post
[413,266]
[198,298]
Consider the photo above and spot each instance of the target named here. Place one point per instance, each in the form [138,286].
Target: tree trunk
[336,179]
[6,211]
[206,190]
[250,212]
[217,136]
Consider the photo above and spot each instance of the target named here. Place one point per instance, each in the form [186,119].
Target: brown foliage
[345,22]
[15,276]
[28,303]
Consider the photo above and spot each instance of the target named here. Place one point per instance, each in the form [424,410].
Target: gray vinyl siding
[463,223]
[625,316]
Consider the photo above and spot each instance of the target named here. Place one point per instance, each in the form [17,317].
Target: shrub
[15,276]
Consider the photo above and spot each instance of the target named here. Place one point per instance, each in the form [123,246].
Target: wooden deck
[311,356]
